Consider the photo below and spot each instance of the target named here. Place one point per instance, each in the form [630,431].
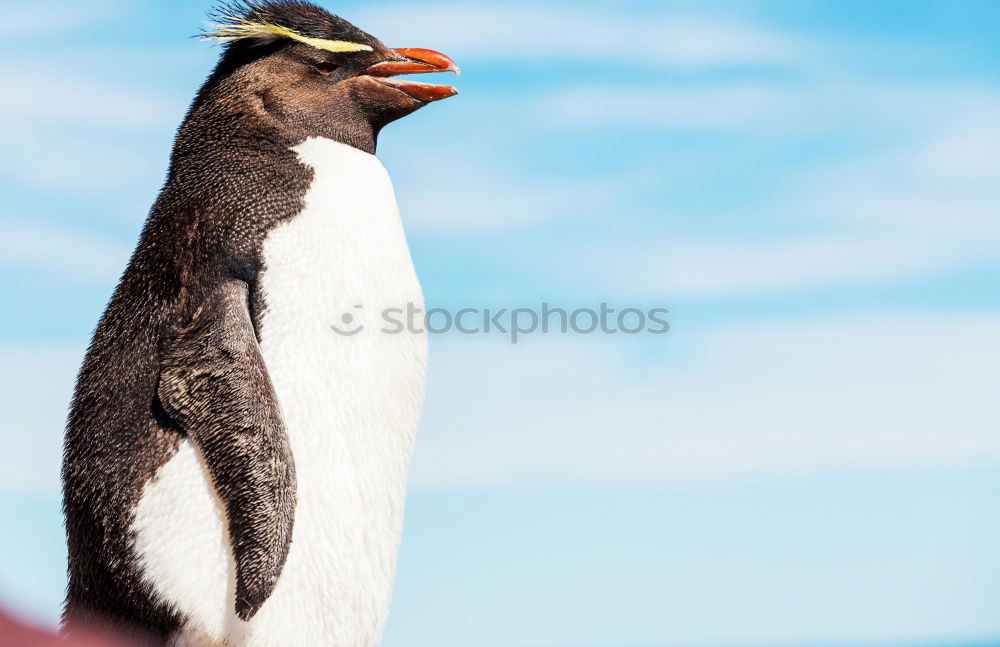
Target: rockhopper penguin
[234,469]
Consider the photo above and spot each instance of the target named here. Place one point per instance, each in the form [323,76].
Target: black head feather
[294,70]
[304,18]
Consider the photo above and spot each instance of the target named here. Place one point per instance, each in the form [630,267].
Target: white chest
[351,404]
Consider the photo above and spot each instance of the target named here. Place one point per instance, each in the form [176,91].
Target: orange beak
[415,61]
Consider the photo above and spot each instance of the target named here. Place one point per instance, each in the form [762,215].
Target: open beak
[415,61]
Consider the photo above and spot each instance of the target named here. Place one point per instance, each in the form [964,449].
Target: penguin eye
[326,68]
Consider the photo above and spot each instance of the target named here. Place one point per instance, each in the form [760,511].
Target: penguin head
[306,72]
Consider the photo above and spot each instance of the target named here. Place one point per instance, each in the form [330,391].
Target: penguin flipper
[214,384]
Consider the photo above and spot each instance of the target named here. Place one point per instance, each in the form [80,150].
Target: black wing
[214,384]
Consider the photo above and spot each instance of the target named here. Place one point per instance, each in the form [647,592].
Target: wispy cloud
[72,256]
[729,106]
[35,389]
[875,391]
[527,32]
[816,105]
[923,202]
[83,164]
[80,101]
[485,197]
[28,21]
[706,268]
[84,133]
[770,398]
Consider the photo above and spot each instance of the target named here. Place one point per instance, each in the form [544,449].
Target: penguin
[235,469]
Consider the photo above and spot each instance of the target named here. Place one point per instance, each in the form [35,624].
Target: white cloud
[486,198]
[74,257]
[718,107]
[968,151]
[531,32]
[760,399]
[685,268]
[911,209]
[36,385]
[817,104]
[82,101]
[82,133]
[27,21]
[83,164]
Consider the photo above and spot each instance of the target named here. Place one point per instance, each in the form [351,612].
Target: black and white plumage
[235,471]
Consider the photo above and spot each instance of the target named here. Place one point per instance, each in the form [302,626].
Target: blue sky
[812,188]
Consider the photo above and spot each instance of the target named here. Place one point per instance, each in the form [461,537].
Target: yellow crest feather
[240,28]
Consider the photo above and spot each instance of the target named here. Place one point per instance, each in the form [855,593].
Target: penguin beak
[415,61]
